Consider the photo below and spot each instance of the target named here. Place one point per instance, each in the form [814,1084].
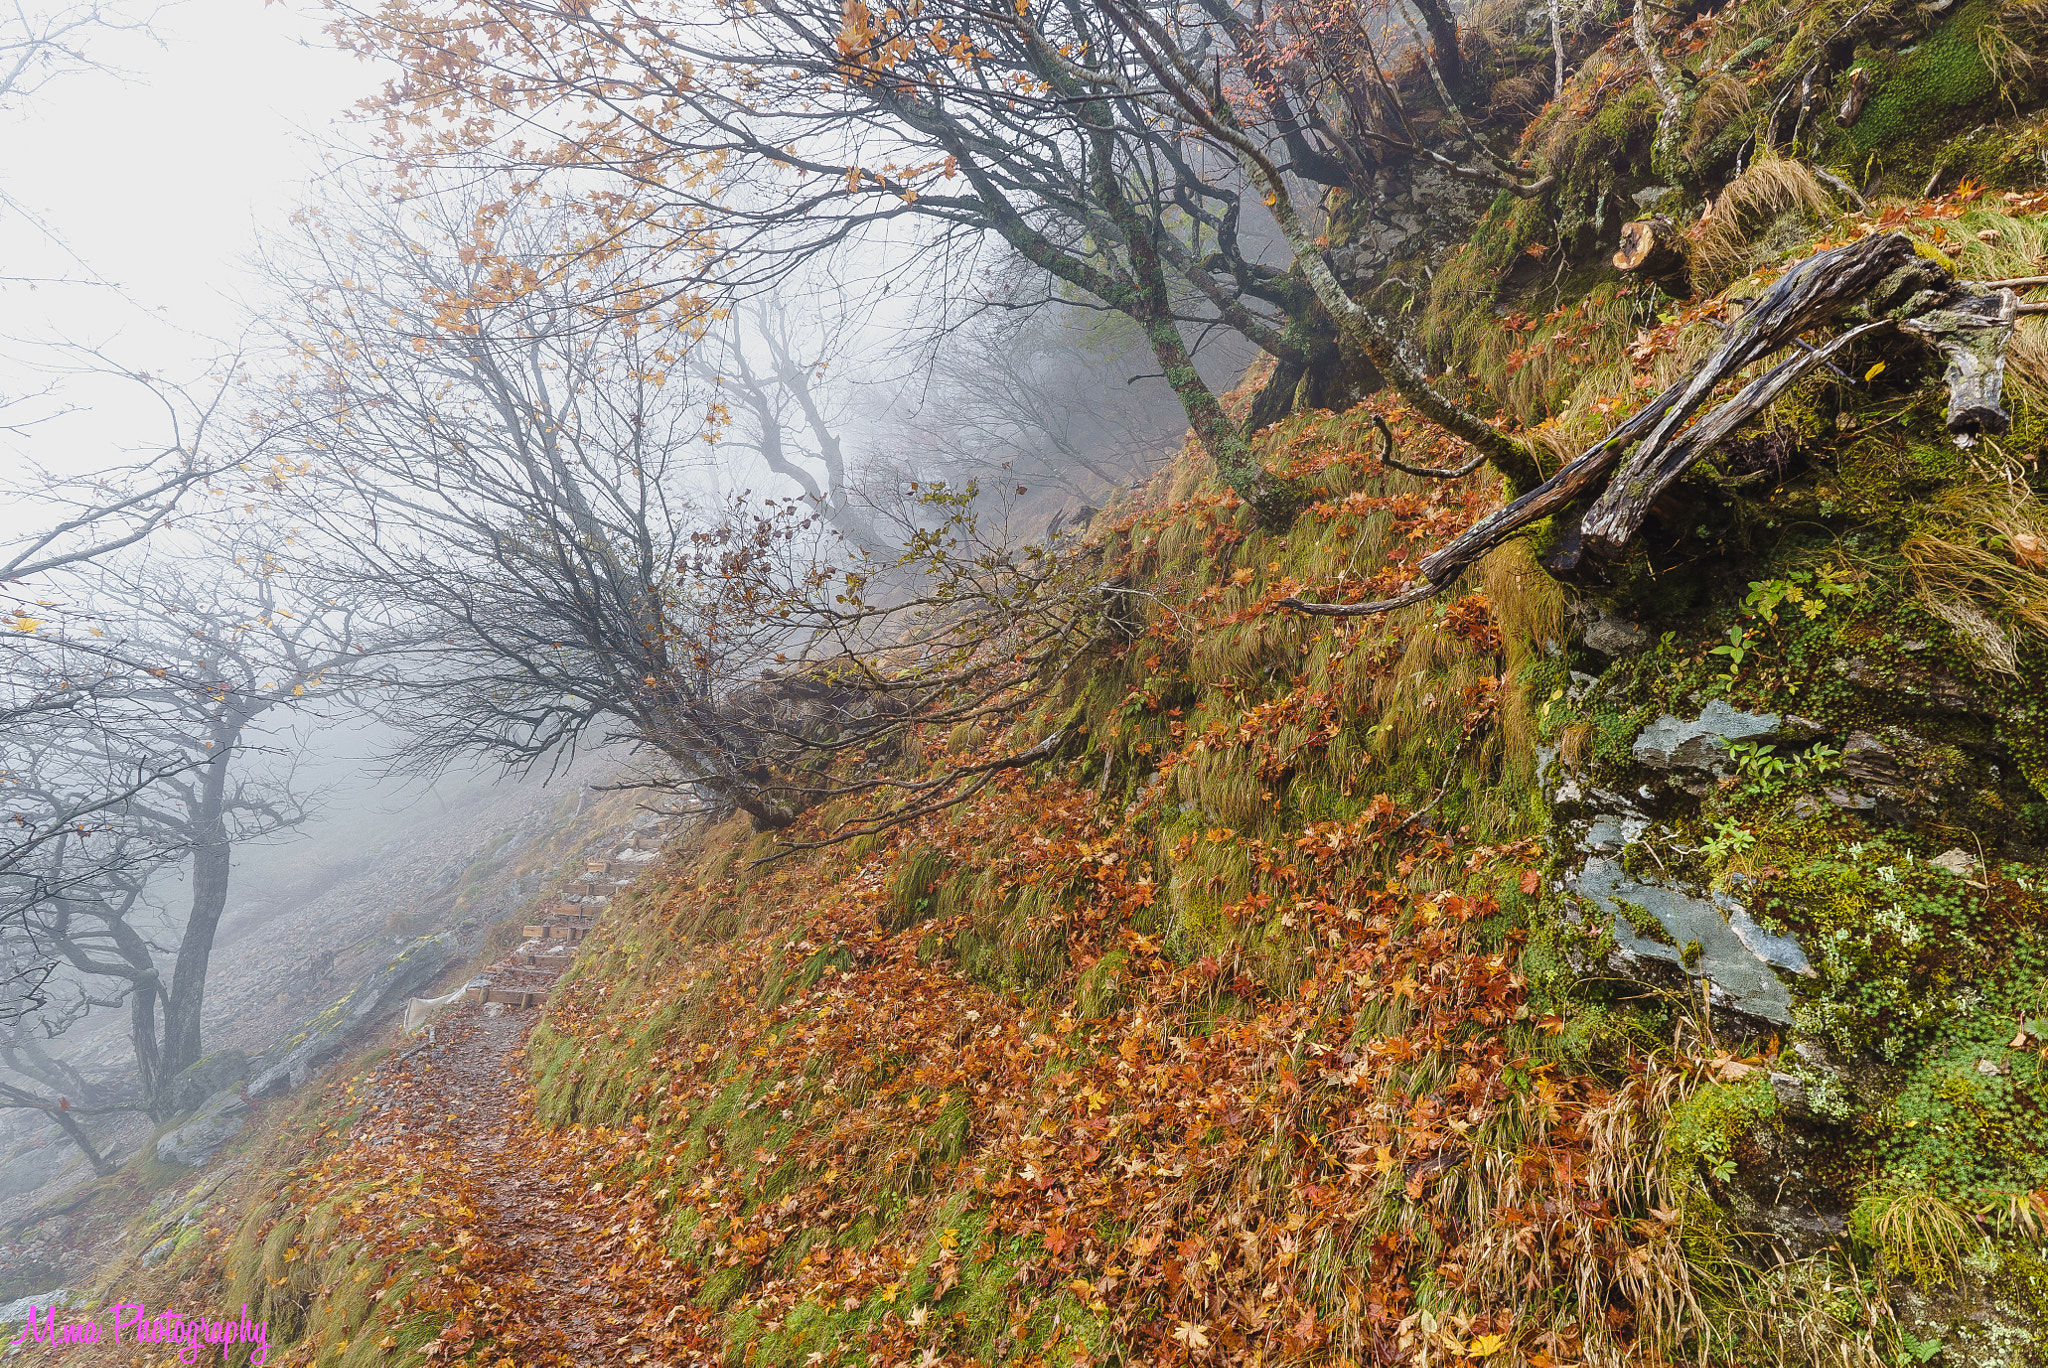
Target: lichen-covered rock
[195,1142]
[1672,743]
[1711,938]
[190,1089]
[293,1060]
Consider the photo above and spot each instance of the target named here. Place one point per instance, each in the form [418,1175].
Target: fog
[370,529]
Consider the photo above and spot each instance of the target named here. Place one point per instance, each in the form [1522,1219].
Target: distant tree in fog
[773,369]
[1048,397]
[195,776]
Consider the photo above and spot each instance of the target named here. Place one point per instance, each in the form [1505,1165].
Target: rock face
[1711,938]
[1609,633]
[1669,743]
[293,1060]
[193,1143]
[191,1089]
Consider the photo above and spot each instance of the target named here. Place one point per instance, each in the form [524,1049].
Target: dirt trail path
[551,1270]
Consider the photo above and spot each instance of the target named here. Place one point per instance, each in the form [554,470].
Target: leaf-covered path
[531,1256]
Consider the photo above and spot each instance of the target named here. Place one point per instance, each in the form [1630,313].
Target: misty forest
[1044,682]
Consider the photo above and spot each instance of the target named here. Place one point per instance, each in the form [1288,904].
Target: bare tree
[1100,143]
[44,43]
[1043,397]
[775,369]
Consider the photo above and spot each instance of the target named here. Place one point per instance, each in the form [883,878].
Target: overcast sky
[158,184]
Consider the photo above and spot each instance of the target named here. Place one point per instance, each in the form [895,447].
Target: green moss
[1917,94]
[1704,1129]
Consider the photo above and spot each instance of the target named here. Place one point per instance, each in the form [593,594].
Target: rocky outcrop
[193,1143]
[1710,937]
[293,1060]
[190,1090]
[1702,744]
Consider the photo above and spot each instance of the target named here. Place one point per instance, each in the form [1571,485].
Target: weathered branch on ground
[1387,458]
[1969,323]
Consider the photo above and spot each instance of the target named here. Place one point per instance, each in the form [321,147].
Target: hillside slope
[1647,970]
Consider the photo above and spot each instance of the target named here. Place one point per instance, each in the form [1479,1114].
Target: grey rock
[1650,196]
[1745,980]
[1919,685]
[1781,952]
[1669,743]
[1958,862]
[193,1143]
[293,1060]
[1790,1090]
[1611,831]
[190,1089]
[1609,633]
[158,1252]
[1849,800]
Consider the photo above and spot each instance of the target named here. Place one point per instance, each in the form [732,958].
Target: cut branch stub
[1858,82]
[1652,248]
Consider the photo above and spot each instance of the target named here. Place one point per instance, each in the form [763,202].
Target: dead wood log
[1811,292]
[1652,248]
[1971,328]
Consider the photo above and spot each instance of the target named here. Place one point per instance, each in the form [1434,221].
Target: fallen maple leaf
[1192,1335]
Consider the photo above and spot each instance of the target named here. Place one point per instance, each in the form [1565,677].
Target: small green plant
[1758,762]
[1729,838]
[1737,648]
[1916,1351]
[1765,770]
[1810,590]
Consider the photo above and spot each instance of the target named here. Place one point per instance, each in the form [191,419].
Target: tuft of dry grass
[2011,42]
[1723,245]
[1723,100]
[1981,565]
[1916,1232]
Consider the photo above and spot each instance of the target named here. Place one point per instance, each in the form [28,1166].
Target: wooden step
[516,997]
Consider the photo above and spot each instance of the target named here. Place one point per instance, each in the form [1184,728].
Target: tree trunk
[212,859]
[70,1124]
[1443,42]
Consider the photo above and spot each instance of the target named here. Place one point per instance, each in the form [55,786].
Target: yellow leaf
[24,623]
[1874,371]
[1487,1345]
